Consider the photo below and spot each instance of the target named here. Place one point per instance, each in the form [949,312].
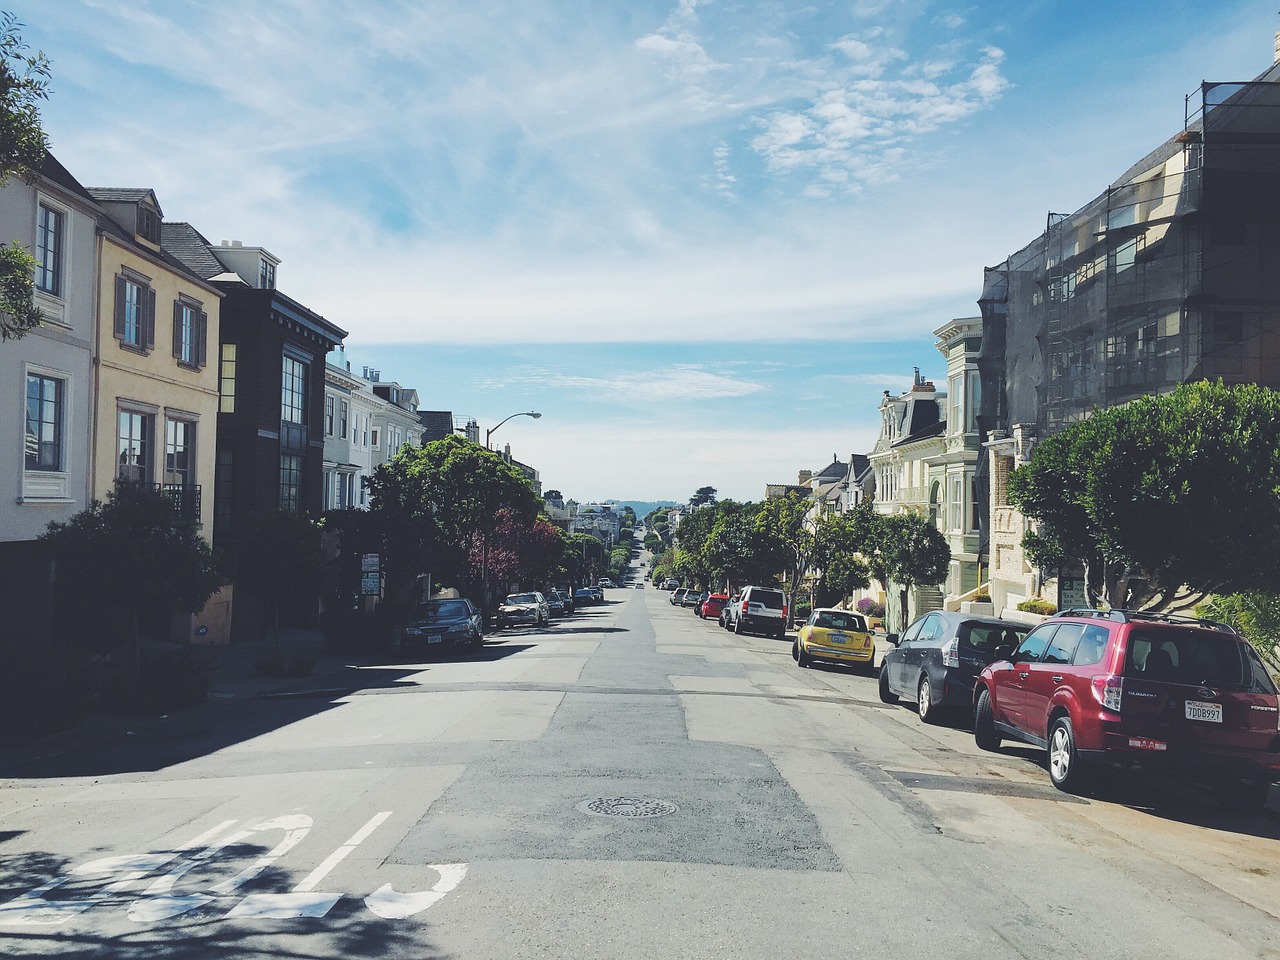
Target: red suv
[1135,690]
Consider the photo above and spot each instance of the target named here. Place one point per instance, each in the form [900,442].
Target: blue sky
[701,237]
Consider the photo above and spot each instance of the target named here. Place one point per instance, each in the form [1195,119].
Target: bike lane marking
[33,909]
[302,901]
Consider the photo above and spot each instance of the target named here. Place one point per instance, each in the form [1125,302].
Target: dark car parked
[937,661]
[1138,691]
[443,623]
[583,597]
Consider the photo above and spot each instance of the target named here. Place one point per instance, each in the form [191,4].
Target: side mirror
[891,638]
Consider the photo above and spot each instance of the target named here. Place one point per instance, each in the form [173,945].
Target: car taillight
[1108,690]
[784,611]
[951,653]
[745,604]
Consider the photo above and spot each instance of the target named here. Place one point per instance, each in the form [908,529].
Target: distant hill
[643,507]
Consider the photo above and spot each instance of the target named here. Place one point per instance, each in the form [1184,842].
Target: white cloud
[668,385]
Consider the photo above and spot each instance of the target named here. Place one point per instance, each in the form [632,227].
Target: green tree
[703,497]
[840,539]
[24,82]
[738,551]
[785,519]
[907,550]
[1163,501]
[129,556]
[442,503]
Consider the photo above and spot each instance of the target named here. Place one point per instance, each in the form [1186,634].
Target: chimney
[1277,60]
[805,476]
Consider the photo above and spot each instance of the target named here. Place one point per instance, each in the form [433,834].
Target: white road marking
[335,858]
[301,901]
[389,905]
[33,909]
[158,904]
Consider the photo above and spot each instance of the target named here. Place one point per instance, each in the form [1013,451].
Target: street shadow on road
[1164,798]
[57,925]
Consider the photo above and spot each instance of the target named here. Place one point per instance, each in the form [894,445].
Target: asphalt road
[629,783]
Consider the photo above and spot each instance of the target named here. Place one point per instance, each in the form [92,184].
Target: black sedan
[438,624]
[936,661]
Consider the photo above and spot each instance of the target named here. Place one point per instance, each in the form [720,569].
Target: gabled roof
[55,172]
[436,424]
[123,194]
[187,244]
[835,470]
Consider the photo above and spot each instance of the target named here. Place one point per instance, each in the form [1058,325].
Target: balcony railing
[184,497]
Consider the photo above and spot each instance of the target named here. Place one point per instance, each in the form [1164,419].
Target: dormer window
[148,224]
[266,275]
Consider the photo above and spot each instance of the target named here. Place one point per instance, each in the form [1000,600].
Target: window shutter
[149,326]
[119,317]
[202,333]
[177,329]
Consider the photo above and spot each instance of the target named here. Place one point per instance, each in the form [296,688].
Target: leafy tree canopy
[703,496]
[1163,501]
[132,553]
[24,82]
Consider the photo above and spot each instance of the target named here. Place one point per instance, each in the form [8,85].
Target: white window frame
[48,486]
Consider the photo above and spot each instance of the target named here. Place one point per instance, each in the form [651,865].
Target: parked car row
[1097,689]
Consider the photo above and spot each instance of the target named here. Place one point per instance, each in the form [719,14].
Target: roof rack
[1128,616]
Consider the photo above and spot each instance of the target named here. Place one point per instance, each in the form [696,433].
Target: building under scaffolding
[1171,275]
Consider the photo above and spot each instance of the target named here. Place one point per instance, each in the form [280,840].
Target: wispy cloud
[858,130]
[671,384]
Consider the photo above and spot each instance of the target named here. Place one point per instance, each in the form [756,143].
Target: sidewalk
[235,678]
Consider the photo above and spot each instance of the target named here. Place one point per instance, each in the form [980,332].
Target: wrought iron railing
[184,497]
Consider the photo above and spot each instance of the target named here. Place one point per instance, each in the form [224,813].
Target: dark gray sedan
[936,661]
[440,624]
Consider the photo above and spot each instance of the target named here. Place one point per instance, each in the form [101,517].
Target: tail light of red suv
[1108,690]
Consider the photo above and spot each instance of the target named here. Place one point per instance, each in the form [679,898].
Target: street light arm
[489,433]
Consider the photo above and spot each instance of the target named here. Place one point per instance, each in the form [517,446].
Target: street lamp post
[484,548]
[490,432]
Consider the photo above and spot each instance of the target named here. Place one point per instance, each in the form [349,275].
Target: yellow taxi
[838,636]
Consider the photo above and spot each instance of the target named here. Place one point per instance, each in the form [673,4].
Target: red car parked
[710,608]
[1134,690]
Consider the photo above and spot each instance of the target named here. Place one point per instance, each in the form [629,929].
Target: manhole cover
[626,807]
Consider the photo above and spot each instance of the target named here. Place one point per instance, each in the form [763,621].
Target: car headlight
[456,628]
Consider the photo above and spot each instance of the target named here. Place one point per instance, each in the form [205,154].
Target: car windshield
[1196,658]
[522,598]
[988,636]
[444,609]
[839,620]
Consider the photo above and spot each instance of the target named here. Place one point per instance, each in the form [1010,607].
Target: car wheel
[1244,796]
[795,650]
[924,700]
[803,659]
[984,724]
[886,695]
[1065,767]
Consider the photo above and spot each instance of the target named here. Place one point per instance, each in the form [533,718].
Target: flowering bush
[869,608]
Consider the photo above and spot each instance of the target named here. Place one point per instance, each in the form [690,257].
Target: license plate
[839,638]
[1198,710]
[435,639]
